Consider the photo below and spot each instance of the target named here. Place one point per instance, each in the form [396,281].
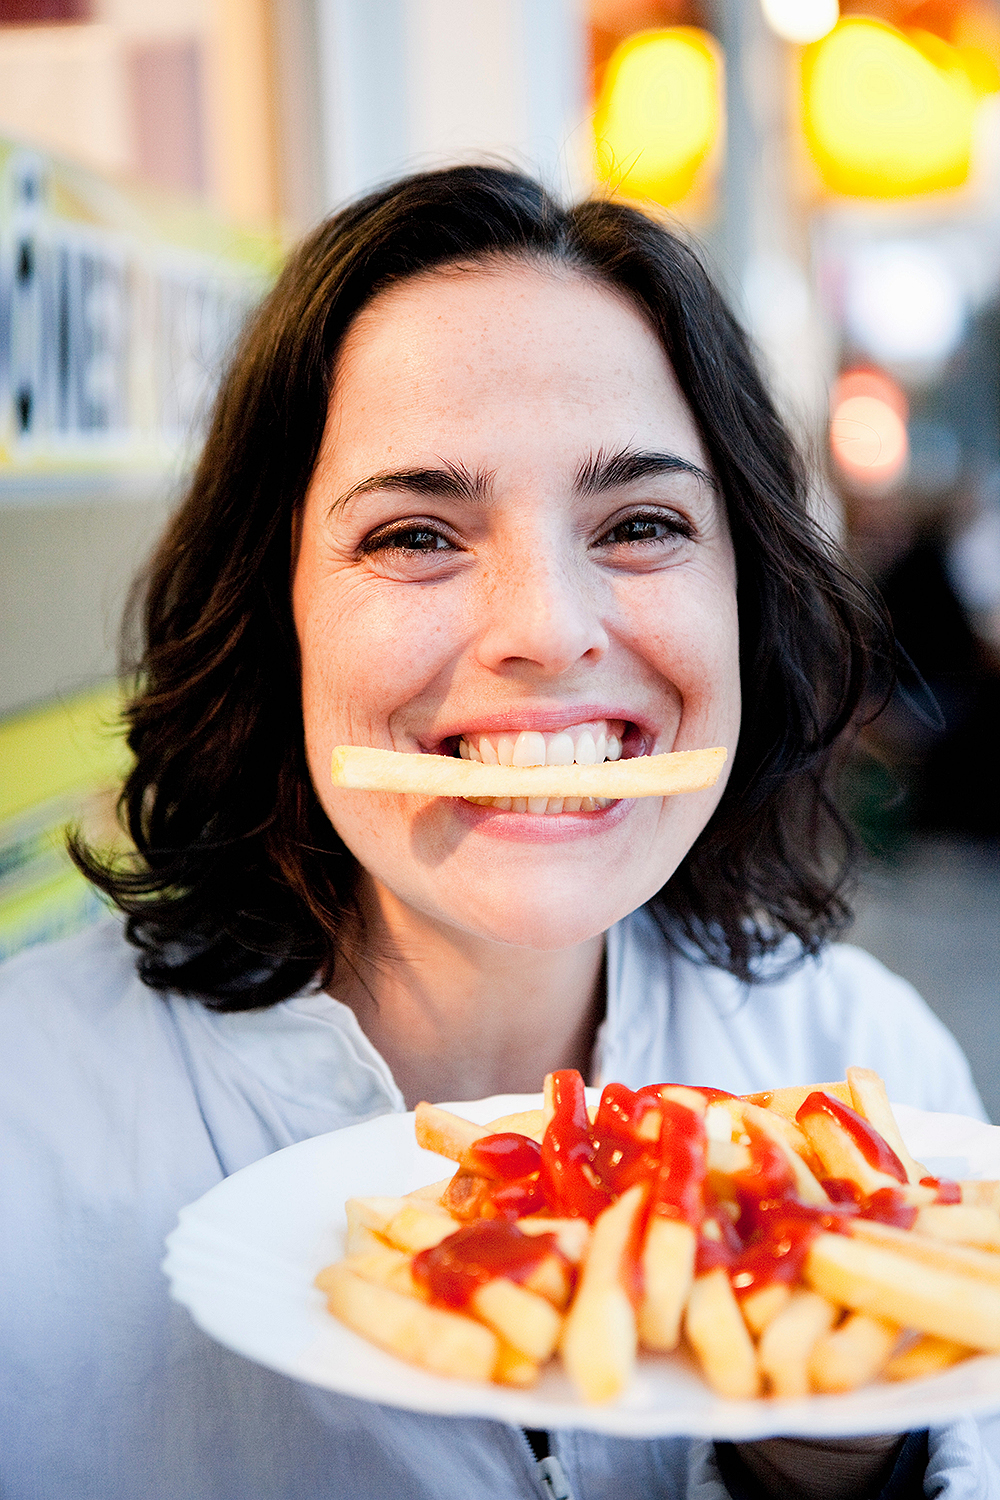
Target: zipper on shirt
[551,1474]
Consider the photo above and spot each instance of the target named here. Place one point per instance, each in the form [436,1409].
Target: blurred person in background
[937,567]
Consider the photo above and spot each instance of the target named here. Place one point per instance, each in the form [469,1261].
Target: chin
[544,922]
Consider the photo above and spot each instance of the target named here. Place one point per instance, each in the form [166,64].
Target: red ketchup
[505,1156]
[567,1177]
[518,1199]
[623,1154]
[718,1242]
[454,1270]
[776,1255]
[888,1207]
[947,1192]
[511,1162]
[678,1191]
[769,1239]
[876,1152]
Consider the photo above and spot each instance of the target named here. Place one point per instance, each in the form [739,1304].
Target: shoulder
[844,1007]
[78,1024]
[84,977]
[804,1020]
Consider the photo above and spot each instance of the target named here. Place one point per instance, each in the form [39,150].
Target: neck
[458,1017]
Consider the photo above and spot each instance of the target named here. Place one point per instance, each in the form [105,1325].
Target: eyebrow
[602,471]
[454,481]
[609,471]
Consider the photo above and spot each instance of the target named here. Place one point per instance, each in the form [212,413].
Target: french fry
[572,1235]
[928,1355]
[444,1342]
[514,1367]
[599,1335]
[852,1354]
[360,1240]
[788,1342]
[762,1306]
[467,1196]
[366,1219]
[415,1228]
[963,1260]
[872,1278]
[981,1194]
[727,1157]
[365,769]
[961,1223]
[431,1193]
[718,1335]
[386,1267]
[553,1280]
[841,1156]
[794,1145]
[525,1321]
[869,1098]
[530,1122]
[667,1273]
[447,1134]
[788,1101]
[768,1122]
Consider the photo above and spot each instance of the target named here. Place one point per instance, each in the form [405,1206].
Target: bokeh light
[801,20]
[903,303]
[868,438]
[887,114]
[659,113]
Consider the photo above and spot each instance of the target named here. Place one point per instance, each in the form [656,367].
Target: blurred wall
[411,84]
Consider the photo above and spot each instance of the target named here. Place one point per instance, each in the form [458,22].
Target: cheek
[687,629]
[368,651]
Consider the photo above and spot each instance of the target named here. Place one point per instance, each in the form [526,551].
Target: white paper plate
[243,1259]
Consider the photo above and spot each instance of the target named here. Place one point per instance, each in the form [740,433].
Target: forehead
[508,340]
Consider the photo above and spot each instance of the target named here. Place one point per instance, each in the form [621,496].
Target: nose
[541,611]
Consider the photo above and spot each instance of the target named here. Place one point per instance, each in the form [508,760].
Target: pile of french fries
[868,1299]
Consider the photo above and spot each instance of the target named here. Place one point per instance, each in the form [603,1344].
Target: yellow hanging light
[658,114]
[885,114]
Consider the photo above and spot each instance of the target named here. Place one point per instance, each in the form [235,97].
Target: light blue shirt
[119,1105]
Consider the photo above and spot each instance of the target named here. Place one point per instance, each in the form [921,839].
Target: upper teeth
[580,744]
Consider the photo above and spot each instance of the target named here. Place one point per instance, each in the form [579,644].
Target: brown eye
[407,539]
[646,528]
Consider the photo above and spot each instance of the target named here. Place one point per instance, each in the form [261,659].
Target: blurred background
[841,167]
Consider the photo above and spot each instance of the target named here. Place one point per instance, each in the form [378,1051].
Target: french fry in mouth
[782,1239]
[362,768]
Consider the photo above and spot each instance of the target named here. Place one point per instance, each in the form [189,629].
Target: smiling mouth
[579,744]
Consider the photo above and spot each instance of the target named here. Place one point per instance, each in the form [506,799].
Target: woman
[486,478]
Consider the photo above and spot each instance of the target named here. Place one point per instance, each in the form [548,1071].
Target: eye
[647,528]
[408,540]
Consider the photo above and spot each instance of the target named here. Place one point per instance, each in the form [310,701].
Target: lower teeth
[545,806]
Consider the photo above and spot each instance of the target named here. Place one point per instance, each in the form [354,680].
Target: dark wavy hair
[241,891]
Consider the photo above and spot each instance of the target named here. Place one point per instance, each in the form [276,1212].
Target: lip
[541,828]
[640,733]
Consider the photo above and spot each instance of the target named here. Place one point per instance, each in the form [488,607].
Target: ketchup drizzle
[568,1182]
[505,1156]
[761,1236]
[454,1270]
[876,1152]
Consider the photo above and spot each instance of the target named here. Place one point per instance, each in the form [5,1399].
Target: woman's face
[511,530]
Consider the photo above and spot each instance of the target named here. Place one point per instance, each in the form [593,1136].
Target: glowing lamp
[658,113]
[868,437]
[883,116]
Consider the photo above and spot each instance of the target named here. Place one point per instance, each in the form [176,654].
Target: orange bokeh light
[868,437]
